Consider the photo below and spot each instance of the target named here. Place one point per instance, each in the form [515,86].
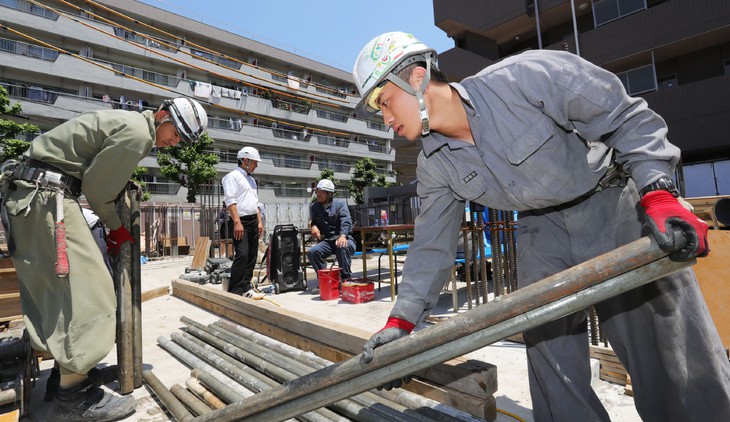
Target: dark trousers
[318,254]
[662,332]
[246,252]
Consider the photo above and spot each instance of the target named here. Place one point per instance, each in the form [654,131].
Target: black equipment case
[284,261]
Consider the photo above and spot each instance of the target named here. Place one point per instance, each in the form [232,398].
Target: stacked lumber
[466,385]
[611,369]
[9,292]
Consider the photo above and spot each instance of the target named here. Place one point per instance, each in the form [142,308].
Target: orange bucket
[329,283]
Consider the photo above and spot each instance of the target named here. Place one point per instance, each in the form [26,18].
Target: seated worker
[331,225]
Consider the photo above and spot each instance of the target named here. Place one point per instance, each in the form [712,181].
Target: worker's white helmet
[326,185]
[188,116]
[378,62]
[249,152]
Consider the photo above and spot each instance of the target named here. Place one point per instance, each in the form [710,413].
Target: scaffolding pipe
[227,394]
[171,403]
[403,397]
[204,393]
[284,368]
[192,402]
[572,290]
[195,362]
[348,407]
[123,280]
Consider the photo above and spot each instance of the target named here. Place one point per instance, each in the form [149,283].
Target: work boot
[85,402]
[54,381]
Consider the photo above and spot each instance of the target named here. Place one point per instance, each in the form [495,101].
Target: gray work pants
[662,332]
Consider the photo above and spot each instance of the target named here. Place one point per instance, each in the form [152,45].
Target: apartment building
[673,53]
[61,58]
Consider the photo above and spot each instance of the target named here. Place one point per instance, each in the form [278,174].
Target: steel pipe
[227,394]
[123,280]
[204,393]
[135,197]
[195,362]
[171,403]
[403,397]
[193,403]
[286,369]
[572,290]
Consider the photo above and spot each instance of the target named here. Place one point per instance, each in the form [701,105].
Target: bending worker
[331,226]
[73,317]
[589,169]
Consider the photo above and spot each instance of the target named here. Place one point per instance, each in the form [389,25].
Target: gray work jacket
[546,126]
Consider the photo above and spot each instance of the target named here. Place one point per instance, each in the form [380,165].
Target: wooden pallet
[611,369]
[9,292]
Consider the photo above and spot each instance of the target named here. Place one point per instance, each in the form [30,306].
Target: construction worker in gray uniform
[73,316]
[589,169]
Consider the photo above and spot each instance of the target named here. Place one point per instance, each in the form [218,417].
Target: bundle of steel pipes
[231,362]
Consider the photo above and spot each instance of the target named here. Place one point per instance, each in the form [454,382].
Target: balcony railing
[147,75]
[333,140]
[296,135]
[25,49]
[25,6]
[216,59]
[377,126]
[331,115]
[131,36]
[226,124]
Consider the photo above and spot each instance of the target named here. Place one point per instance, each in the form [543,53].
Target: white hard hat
[326,185]
[188,116]
[249,152]
[380,59]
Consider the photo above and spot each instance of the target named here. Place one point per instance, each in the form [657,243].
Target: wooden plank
[482,408]
[155,293]
[713,274]
[12,416]
[202,247]
[335,341]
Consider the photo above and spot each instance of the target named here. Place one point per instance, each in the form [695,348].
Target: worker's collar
[435,140]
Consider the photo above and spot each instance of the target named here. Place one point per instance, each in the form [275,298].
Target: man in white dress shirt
[242,199]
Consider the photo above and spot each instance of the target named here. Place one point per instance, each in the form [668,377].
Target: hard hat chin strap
[423,112]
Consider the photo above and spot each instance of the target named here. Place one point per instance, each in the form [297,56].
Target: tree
[137,177]
[11,148]
[190,166]
[365,175]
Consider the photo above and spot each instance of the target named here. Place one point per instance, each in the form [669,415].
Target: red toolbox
[358,291]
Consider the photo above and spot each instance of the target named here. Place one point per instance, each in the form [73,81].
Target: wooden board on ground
[470,384]
[155,293]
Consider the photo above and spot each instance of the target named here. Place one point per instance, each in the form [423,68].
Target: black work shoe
[54,381]
[85,402]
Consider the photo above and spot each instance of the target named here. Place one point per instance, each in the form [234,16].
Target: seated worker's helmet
[379,61]
[188,116]
[326,185]
[248,152]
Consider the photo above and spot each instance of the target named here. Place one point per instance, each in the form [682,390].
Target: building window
[707,179]
[605,11]
[639,80]
[667,82]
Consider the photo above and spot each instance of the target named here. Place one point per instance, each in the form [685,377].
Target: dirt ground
[161,317]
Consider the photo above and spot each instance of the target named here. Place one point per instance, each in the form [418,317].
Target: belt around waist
[248,217]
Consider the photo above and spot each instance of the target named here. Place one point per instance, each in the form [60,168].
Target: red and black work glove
[666,218]
[116,238]
[394,329]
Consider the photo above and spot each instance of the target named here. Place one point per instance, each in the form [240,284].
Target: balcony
[30,50]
